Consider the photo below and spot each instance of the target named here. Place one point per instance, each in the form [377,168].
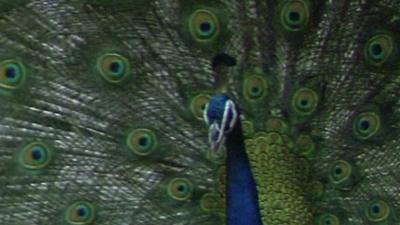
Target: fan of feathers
[101,105]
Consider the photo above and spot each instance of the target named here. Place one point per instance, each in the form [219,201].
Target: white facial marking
[231,106]
[221,129]
[205,115]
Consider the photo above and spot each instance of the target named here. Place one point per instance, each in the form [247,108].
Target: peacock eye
[255,87]
[80,213]
[180,189]
[142,141]
[276,124]
[295,15]
[317,189]
[208,202]
[340,172]
[379,49]
[114,68]
[377,211]
[35,156]
[203,25]
[305,101]
[328,219]
[366,125]
[12,74]
[198,105]
[305,145]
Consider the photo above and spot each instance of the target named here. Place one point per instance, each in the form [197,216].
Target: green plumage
[101,107]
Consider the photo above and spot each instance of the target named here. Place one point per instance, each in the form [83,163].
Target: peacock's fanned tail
[101,105]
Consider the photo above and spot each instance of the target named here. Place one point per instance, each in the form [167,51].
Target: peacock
[211,112]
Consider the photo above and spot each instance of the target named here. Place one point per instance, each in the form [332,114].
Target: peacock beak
[219,128]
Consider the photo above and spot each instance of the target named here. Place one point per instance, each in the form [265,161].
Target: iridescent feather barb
[102,101]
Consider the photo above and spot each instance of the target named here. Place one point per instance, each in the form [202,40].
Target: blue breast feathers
[221,115]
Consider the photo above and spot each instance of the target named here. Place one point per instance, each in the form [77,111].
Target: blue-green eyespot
[305,101]
[366,124]
[198,105]
[203,25]
[12,74]
[142,141]
[341,171]
[35,156]
[114,68]
[379,49]
[295,15]
[328,219]
[80,213]
[254,87]
[305,145]
[208,202]
[180,189]
[377,211]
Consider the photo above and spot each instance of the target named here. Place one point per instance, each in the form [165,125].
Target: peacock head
[220,116]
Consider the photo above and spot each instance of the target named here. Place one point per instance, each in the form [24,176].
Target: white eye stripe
[215,144]
[230,105]
[224,117]
[211,132]
[205,117]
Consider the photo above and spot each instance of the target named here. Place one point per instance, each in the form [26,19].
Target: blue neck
[242,200]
